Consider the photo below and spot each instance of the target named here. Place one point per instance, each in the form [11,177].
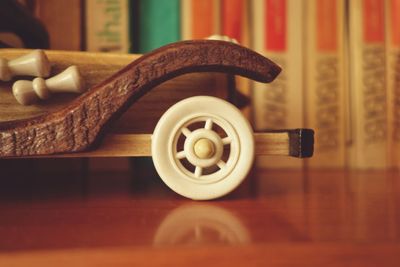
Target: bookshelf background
[340,60]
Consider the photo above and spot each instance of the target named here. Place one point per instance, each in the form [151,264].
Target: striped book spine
[368,107]
[277,32]
[325,84]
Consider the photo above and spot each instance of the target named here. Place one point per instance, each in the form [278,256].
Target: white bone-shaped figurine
[33,64]
[28,92]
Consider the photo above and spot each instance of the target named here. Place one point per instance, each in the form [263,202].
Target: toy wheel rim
[215,168]
[203,176]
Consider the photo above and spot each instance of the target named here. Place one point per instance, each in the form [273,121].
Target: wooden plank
[139,145]
[272,144]
[116,145]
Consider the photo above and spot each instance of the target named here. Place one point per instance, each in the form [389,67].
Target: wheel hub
[204,148]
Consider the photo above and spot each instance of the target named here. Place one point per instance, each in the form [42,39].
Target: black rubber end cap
[301,143]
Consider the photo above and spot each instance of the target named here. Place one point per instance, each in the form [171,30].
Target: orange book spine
[201,27]
[200,19]
[393,80]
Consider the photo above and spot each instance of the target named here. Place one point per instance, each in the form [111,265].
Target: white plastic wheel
[203,147]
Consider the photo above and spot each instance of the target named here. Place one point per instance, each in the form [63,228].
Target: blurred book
[235,24]
[233,19]
[200,19]
[393,79]
[224,17]
[368,109]
[277,33]
[325,84]
[63,20]
[108,26]
[159,23]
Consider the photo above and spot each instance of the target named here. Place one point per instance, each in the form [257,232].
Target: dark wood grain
[81,123]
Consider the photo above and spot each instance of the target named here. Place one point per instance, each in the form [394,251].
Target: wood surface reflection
[67,213]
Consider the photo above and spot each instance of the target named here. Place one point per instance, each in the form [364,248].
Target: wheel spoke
[221,164]
[186,132]
[209,124]
[227,140]
[198,171]
[181,154]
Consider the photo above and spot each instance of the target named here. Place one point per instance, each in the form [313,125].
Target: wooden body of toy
[202,146]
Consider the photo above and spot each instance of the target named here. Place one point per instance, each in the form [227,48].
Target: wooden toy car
[202,146]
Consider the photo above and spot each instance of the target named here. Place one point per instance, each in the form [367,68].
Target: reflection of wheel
[201,224]
[203,147]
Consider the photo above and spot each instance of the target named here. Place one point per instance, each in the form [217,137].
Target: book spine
[393,80]
[107,26]
[232,18]
[235,24]
[325,85]
[63,21]
[368,116]
[278,34]
[200,19]
[159,23]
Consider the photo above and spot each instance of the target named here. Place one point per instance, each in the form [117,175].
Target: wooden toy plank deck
[96,67]
[130,135]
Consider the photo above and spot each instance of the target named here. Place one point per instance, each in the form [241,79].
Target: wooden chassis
[80,127]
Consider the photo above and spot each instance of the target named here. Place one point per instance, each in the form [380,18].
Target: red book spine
[275,25]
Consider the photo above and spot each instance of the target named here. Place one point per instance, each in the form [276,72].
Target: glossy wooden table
[276,218]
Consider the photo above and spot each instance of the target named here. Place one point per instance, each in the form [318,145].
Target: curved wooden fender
[80,124]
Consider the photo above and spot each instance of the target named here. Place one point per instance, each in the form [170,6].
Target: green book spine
[159,23]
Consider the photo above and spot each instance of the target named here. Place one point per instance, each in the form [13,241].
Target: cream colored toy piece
[33,64]
[28,92]
[222,38]
[214,158]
